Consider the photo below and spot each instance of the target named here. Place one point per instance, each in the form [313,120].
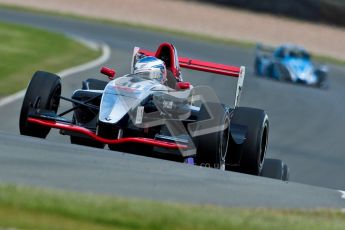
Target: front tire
[43,92]
[284,73]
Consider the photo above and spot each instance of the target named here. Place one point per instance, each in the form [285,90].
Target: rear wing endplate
[204,66]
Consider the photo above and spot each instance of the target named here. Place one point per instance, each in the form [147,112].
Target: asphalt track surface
[306,132]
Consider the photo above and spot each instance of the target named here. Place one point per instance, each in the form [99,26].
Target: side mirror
[108,72]
[183,85]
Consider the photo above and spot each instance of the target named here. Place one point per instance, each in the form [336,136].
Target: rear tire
[212,147]
[44,93]
[275,169]
[253,150]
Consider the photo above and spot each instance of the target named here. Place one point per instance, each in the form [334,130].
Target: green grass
[23,50]
[201,37]
[32,208]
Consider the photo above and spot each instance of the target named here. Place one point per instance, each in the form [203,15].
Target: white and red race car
[173,120]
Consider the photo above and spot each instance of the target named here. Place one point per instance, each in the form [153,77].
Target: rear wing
[204,66]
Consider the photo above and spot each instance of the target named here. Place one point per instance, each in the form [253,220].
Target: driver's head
[152,67]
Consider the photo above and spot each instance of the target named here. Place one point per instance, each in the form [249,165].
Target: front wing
[86,132]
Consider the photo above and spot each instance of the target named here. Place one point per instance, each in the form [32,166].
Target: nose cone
[116,102]
[302,69]
[115,107]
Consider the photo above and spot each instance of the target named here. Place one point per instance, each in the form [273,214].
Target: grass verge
[25,49]
[33,208]
[202,37]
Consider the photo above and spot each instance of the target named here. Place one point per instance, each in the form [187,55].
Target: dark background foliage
[324,11]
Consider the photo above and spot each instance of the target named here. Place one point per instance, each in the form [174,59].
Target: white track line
[342,197]
[106,53]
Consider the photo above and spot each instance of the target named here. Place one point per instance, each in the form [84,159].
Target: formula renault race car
[171,119]
[289,63]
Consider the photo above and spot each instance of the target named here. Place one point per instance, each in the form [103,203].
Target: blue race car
[289,63]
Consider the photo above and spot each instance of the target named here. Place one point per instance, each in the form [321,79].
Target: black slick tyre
[43,92]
